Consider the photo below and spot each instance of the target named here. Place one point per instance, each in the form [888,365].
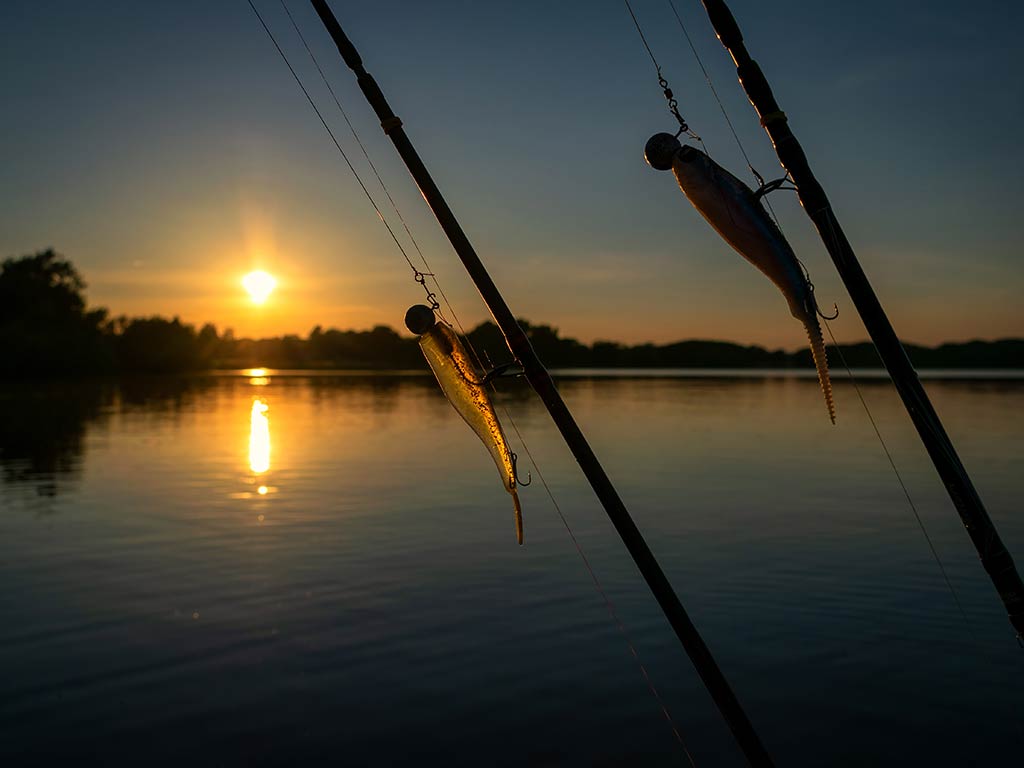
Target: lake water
[288,569]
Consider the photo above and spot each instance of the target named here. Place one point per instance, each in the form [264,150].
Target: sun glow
[259,285]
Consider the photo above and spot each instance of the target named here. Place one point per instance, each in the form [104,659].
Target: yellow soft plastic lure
[466,391]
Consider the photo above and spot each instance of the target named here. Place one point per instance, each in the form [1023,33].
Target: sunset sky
[165,149]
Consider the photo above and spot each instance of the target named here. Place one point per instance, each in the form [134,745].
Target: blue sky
[164,148]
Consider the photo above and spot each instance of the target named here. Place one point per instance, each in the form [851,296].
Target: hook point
[515,472]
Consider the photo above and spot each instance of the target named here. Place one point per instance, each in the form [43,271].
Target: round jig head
[419,319]
[660,149]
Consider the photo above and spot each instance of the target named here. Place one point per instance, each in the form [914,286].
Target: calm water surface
[280,569]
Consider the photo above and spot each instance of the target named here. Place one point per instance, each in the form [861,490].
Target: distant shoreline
[383,349]
[933,374]
[47,329]
[423,377]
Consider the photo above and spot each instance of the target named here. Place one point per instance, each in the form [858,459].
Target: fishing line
[383,186]
[380,215]
[721,106]
[643,38]
[511,421]
[714,92]
[673,107]
[355,173]
[607,601]
[579,549]
[380,180]
[355,135]
[899,476]
[673,104]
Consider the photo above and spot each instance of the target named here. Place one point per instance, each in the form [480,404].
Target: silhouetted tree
[209,344]
[44,324]
[155,344]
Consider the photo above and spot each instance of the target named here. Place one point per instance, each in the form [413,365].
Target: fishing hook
[771,186]
[814,302]
[502,370]
[515,472]
[814,299]
[821,314]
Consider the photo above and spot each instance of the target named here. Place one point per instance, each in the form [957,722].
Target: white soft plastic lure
[467,392]
[736,213]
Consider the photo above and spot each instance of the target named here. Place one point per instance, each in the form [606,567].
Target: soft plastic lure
[736,213]
[466,391]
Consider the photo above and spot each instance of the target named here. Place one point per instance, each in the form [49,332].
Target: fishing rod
[544,386]
[994,556]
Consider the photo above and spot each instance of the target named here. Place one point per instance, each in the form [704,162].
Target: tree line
[46,328]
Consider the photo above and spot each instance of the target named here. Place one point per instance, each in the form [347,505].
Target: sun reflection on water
[259,437]
[257,376]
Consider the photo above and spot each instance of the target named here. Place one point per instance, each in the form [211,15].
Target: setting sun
[259,285]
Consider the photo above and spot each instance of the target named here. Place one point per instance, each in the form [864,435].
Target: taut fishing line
[714,92]
[337,144]
[721,106]
[394,206]
[672,103]
[355,135]
[420,279]
[899,478]
[896,472]
[607,600]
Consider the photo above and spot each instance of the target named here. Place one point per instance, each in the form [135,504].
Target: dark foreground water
[243,570]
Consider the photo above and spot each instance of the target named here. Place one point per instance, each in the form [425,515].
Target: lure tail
[519,516]
[820,362]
